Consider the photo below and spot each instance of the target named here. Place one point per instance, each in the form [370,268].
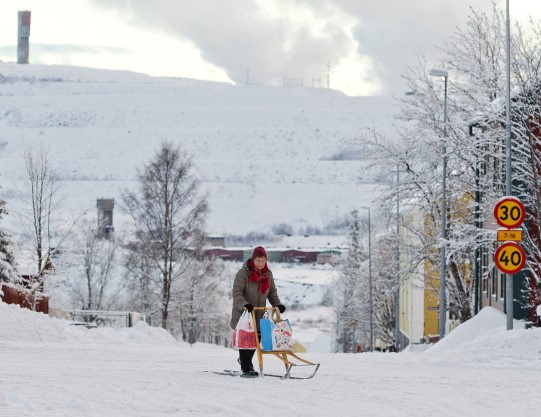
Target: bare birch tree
[40,217]
[92,287]
[168,214]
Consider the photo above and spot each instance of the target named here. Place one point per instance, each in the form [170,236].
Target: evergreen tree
[8,272]
[351,293]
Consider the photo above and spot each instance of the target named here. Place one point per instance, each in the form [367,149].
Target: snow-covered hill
[265,155]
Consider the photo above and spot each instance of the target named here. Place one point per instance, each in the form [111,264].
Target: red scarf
[261,276]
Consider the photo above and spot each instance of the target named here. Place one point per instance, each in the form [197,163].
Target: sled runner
[238,374]
[279,348]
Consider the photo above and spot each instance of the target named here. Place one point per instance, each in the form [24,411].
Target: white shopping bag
[244,334]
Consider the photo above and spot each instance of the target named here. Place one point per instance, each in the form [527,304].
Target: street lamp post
[370,280]
[443,267]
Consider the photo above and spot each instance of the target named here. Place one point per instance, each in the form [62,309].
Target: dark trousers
[245,359]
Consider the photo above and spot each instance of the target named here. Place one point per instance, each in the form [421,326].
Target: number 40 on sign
[510,258]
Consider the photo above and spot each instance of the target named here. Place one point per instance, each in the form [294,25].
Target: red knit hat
[258,252]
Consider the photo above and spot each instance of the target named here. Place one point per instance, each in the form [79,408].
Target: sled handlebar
[265,308]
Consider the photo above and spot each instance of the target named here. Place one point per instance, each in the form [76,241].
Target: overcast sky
[360,47]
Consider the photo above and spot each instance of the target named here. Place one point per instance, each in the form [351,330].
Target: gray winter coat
[246,292]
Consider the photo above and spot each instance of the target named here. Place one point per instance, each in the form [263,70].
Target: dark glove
[282,308]
[249,307]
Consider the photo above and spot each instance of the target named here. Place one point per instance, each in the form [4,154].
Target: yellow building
[460,209]
[419,290]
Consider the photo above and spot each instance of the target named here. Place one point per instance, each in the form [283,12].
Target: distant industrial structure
[23,43]
[105,217]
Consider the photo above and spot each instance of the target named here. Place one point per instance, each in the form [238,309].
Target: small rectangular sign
[514,235]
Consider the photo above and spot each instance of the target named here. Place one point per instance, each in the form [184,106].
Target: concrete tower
[105,217]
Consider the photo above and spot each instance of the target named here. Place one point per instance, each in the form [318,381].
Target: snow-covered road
[51,370]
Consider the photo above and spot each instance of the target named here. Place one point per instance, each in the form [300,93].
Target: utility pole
[397,295]
[328,75]
[370,280]
[370,284]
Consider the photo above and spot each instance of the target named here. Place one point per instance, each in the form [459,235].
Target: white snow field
[51,369]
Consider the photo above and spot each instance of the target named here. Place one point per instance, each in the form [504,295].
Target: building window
[484,270]
[494,283]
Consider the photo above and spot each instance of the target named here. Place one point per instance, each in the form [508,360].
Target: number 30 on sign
[510,258]
[509,212]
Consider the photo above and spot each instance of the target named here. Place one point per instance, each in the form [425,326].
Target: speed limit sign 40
[510,258]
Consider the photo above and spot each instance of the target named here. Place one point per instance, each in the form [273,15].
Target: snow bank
[141,333]
[484,334]
[487,331]
[22,325]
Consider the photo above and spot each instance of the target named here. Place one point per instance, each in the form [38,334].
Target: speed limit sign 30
[510,258]
[509,212]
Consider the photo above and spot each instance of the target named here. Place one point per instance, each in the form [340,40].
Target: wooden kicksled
[289,358]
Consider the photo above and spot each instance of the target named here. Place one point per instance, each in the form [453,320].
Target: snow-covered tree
[143,282]
[199,302]
[384,288]
[8,271]
[41,189]
[477,57]
[91,285]
[351,293]
[40,216]
[473,139]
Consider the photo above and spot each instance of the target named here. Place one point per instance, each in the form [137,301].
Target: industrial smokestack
[23,44]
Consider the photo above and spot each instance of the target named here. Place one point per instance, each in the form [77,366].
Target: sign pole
[508,190]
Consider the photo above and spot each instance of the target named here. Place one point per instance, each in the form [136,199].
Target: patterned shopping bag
[282,336]
[275,335]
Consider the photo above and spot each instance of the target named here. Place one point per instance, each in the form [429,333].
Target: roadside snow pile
[487,332]
[141,333]
[22,325]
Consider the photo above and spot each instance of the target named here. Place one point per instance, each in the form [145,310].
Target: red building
[226,254]
[294,255]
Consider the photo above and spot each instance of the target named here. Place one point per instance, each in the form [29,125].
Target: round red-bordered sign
[509,212]
[510,258]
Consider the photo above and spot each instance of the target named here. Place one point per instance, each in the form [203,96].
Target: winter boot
[245,361]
